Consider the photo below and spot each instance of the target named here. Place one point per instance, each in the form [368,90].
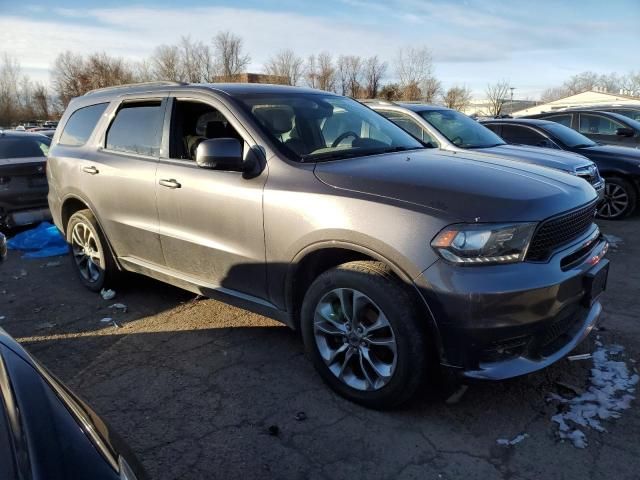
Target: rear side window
[81,124]
[523,136]
[24,147]
[137,129]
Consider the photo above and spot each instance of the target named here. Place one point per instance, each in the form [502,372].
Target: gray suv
[313,209]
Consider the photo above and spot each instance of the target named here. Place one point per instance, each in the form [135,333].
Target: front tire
[620,199]
[90,253]
[364,334]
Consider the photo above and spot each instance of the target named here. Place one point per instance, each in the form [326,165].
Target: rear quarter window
[81,124]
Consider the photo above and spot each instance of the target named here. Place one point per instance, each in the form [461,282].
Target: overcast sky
[533,44]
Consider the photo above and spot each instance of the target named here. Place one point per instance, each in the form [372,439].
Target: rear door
[119,177]
[211,223]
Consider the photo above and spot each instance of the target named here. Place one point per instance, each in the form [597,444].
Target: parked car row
[394,255]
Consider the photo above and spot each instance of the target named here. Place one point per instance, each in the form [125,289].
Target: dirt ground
[194,386]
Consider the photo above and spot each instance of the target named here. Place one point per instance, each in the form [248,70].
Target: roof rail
[133,85]
[377,101]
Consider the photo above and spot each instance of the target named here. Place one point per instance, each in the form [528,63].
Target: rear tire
[90,253]
[363,308]
[620,199]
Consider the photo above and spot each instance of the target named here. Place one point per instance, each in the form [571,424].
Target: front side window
[410,125]
[137,128]
[598,124]
[524,136]
[315,127]
[81,124]
[459,129]
[24,146]
[191,123]
[561,119]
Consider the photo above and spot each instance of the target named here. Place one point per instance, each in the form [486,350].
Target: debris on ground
[51,264]
[457,395]
[301,416]
[45,240]
[582,356]
[2,318]
[570,387]
[43,325]
[514,441]
[119,306]
[610,391]
[274,430]
[116,324]
[108,294]
[614,241]
[22,274]
[106,320]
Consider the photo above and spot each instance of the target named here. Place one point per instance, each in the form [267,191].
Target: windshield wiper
[342,154]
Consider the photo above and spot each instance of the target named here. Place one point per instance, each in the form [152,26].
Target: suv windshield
[314,127]
[568,136]
[462,131]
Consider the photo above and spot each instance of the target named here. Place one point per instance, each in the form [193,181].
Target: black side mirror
[220,154]
[625,132]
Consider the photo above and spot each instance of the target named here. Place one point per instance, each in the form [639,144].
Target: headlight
[475,244]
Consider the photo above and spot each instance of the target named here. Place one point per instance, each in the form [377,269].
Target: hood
[462,186]
[611,151]
[546,157]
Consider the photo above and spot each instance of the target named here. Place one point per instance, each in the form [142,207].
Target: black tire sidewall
[87,219]
[391,297]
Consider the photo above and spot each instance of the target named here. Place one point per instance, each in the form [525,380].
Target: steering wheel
[342,136]
[456,140]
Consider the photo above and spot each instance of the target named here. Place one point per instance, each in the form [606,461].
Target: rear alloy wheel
[89,251]
[365,334]
[619,199]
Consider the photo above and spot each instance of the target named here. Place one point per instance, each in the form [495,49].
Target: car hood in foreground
[463,186]
[546,157]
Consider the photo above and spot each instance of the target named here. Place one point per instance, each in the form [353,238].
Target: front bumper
[503,321]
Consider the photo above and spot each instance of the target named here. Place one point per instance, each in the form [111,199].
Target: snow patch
[514,441]
[610,391]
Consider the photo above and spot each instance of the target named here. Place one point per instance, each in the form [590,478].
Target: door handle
[170,183]
[90,170]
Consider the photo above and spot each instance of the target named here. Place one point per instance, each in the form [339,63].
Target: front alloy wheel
[619,199]
[355,339]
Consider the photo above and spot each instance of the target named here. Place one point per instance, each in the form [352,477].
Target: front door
[211,225]
[602,129]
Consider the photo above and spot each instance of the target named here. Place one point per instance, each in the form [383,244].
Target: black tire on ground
[622,189]
[395,299]
[107,268]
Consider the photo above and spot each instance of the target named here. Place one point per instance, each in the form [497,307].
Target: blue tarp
[45,240]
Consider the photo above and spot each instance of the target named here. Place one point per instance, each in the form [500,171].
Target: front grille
[558,231]
[590,174]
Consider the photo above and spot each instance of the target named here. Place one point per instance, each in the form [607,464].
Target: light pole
[511,105]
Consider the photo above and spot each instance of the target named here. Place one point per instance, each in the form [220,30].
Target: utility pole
[512,89]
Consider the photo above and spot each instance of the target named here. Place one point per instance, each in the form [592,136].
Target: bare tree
[554,93]
[143,71]
[350,70]
[229,58]
[374,71]
[391,92]
[191,57]
[9,86]
[41,101]
[582,82]
[311,72]
[630,83]
[286,64]
[497,96]
[101,70]
[431,90]
[326,72]
[68,77]
[458,98]
[414,69]
[166,63]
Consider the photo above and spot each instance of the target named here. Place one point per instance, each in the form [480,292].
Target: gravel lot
[194,386]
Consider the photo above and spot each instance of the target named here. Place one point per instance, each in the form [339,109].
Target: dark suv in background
[313,209]
[609,128]
[620,166]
